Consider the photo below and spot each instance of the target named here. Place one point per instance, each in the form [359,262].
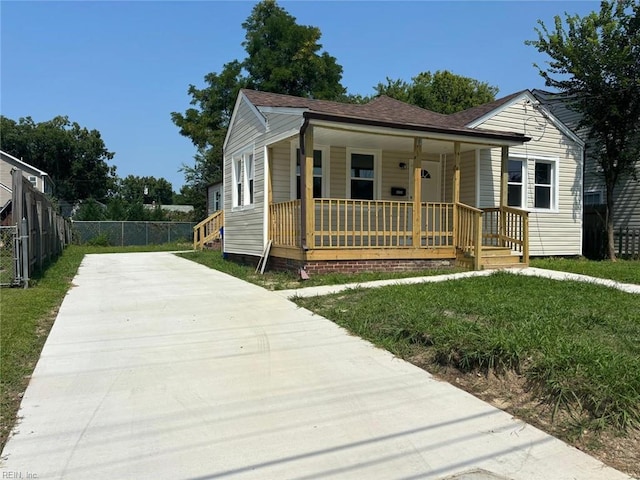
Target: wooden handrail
[208,230]
[469,232]
[285,224]
[507,227]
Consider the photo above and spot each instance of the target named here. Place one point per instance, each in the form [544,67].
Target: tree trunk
[611,248]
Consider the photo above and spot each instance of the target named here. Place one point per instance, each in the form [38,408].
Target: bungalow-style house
[39,179]
[388,185]
[626,195]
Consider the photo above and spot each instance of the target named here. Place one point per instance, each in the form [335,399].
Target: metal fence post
[24,240]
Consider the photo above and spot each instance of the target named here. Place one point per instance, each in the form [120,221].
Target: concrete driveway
[160,368]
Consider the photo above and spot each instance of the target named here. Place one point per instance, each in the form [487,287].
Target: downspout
[303,202]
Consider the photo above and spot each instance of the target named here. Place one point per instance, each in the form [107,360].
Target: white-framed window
[249,167]
[545,190]
[320,171]
[362,178]
[517,184]
[33,180]
[242,172]
[236,173]
[593,197]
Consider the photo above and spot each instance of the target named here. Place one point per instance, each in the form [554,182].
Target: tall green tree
[282,57]
[145,190]
[75,158]
[442,91]
[595,62]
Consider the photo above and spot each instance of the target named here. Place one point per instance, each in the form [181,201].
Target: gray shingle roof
[381,109]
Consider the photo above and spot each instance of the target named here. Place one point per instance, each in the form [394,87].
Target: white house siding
[467,178]
[243,226]
[550,233]
[338,172]
[394,176]
[281,171]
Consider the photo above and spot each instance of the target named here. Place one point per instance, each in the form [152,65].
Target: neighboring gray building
[626,195]
[39,179]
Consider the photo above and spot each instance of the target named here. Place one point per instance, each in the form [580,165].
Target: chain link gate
[9,256]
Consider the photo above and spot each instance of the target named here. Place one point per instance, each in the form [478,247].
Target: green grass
[27,316]
[626,271]
[286,280]
[578,344]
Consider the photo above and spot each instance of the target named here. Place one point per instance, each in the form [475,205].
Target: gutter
[511,137]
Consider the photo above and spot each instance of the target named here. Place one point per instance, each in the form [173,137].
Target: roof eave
[508,139]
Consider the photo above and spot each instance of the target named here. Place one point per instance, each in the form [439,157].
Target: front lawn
[286,280]
[572,348]
[625,271]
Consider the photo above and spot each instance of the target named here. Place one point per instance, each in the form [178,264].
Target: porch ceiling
[366,140]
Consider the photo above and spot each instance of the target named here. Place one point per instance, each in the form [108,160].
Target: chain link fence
[9,256]
[132,233]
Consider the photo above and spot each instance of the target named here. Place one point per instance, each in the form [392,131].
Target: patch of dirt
[509,391]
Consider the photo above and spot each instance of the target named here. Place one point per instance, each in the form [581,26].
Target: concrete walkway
[160,368]
[534,272]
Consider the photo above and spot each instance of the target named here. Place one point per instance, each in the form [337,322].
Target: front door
[430,187]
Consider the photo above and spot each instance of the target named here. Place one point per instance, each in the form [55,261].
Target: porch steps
[493,258]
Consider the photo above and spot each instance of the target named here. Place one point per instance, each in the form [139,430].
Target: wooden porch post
[456,172]
[417,193]
[269,193]
[504,184]
[455,193]
[306,171]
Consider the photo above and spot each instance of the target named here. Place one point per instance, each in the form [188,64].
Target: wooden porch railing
[469,232]
[285,223]
[507,227]
[208,230]
[345,223]
[437,224]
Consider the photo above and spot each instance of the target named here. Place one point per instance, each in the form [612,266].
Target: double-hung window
[237,181]
[544,195]
[362,177]
[243,170]
[516,187]
[248,177]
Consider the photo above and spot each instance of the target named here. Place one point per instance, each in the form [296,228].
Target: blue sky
[122,67]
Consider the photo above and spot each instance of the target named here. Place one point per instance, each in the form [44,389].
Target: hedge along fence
[127,233]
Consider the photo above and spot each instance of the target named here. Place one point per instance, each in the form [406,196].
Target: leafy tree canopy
[595,64]
[282,57]
[145,190]
[75,158]
[442,91]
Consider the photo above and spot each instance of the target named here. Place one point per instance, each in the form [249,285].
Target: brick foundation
[345,266]
[387,265]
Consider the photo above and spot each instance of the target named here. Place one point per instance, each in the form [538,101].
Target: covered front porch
[316,228]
